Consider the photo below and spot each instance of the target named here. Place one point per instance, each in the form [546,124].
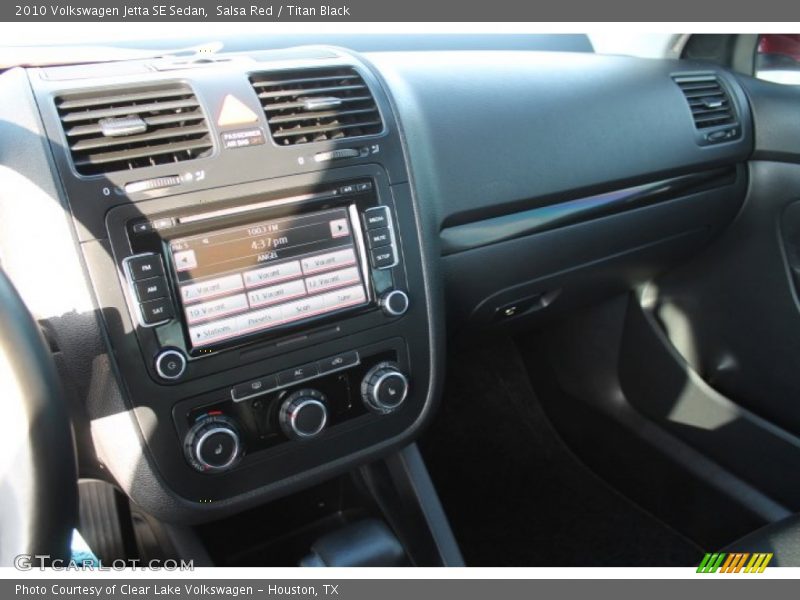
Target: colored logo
[735,562]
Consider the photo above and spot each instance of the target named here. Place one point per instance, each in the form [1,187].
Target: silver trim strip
[358,237]
[238,210]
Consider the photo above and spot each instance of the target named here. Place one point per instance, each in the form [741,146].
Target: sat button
[156,311]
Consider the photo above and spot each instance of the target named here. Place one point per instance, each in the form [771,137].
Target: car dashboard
[247,264]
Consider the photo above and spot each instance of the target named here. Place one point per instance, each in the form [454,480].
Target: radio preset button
[211,287]
[332,279]
[378,238]
[276,293]
[343,298]
[151,289]
[296,374]
[259,319]
[255,387]
[329,260]
[145,267]
[214,309]
[383,258]
[377,218]
[273,274]
[156,311]
[214,331]
[338,362]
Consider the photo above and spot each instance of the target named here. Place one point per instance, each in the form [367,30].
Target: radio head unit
[241,281]
[203,281]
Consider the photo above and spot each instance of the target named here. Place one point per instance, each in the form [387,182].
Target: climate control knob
[384,388]
[303,414]
[213,444]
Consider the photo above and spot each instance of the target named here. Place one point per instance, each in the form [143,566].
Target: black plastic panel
[556,270]
[90,197]
[210,378]
[774,107]
[519,224]
[131,412]
[495,133]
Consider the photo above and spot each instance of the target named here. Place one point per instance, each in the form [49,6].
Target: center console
[267,302]
[285,309]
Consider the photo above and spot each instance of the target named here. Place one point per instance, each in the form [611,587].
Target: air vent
[131,128]
[708,100]
[315,105]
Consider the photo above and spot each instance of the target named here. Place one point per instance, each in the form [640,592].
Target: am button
[151,289]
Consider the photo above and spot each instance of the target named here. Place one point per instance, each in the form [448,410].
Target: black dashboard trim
[507,227]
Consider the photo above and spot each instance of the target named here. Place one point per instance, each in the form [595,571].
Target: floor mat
[514,494]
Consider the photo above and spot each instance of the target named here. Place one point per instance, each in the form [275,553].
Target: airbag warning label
[242,138]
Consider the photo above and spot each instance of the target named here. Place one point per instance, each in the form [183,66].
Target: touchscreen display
[251,278]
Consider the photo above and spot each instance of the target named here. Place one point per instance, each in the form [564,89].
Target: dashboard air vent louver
[130,128]
[708,100]
[315,105]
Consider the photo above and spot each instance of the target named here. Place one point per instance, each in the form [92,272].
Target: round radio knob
[384,388]
[394,303]
[170,364]
[213,445]
[303,414]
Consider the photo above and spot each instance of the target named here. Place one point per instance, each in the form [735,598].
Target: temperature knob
[213,444]
[303,414]
[384,388]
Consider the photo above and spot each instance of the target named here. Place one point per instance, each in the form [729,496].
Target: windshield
[42,43]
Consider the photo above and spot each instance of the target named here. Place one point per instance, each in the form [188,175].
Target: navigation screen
[252,278]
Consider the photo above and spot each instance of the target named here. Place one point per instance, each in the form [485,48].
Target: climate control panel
[294,406]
